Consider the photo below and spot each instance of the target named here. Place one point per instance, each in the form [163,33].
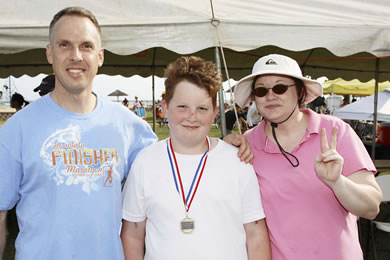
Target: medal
[187,225]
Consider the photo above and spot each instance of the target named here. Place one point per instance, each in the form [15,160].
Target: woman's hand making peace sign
[329,164]
[358,193]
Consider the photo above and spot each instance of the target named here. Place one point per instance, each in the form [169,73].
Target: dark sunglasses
[278,89]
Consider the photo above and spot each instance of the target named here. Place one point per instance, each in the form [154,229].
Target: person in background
[231,119]
[125,102]
[137,104]
[47,85]
[253,117]
[157,111]
[18,102]
[139,108]
[345,100]
[315,174]
[160,115]
[221,215]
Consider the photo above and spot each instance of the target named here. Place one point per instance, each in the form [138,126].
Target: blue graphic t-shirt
[64,171]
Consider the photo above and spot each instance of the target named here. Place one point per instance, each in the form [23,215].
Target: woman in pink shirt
[315,174]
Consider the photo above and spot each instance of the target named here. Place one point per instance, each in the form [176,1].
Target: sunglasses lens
[277,89]
[261,92]
[280,89]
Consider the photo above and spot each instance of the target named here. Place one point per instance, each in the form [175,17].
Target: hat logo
[271,62]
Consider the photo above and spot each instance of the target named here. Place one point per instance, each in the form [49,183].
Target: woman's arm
[244,149]
[3,232]
[358,193]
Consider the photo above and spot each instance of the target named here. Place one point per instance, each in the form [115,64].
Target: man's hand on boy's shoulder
[244,149]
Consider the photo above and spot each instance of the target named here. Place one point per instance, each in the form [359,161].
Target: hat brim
[46,88]
[47,84]
[243,88]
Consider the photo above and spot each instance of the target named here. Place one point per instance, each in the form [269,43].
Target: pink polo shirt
[304,218]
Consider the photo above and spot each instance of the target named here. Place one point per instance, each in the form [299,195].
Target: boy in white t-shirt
[196,200]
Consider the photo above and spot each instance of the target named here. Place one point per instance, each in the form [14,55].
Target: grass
[163,131]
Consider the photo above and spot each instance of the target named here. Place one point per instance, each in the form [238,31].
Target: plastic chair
[384,183]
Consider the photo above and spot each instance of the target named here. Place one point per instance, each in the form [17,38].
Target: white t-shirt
[227,197]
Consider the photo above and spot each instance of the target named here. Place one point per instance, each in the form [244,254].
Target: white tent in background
[363,109]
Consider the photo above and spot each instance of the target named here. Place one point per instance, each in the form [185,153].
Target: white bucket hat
[275,64]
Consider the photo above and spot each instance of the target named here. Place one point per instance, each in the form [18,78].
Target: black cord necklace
[275,125]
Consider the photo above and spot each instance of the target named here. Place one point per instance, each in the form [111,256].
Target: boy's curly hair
[195,70]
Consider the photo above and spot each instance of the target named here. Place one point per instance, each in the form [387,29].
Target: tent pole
[220,95]
[9,88]
[153,104]
[153,90]
[375,109]
[331,102]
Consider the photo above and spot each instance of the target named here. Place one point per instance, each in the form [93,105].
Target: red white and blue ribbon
[187,200]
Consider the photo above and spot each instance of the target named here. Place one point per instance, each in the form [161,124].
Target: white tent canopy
[363,109]
[129,27]
[186,26]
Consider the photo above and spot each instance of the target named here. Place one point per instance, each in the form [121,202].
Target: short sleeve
[252,208]
[10,178]
[144,137]
[133,201]
[351,148]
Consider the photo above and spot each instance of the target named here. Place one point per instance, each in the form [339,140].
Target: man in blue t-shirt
[65,170]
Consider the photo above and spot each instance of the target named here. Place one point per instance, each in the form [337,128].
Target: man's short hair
[75,11]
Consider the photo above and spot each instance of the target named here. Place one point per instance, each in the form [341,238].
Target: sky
[103,85]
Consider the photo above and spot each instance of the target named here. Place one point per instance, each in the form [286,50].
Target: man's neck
[82,103]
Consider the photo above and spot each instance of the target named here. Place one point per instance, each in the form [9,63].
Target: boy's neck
[199,148]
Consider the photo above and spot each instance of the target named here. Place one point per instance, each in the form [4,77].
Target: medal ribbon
[175,171]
